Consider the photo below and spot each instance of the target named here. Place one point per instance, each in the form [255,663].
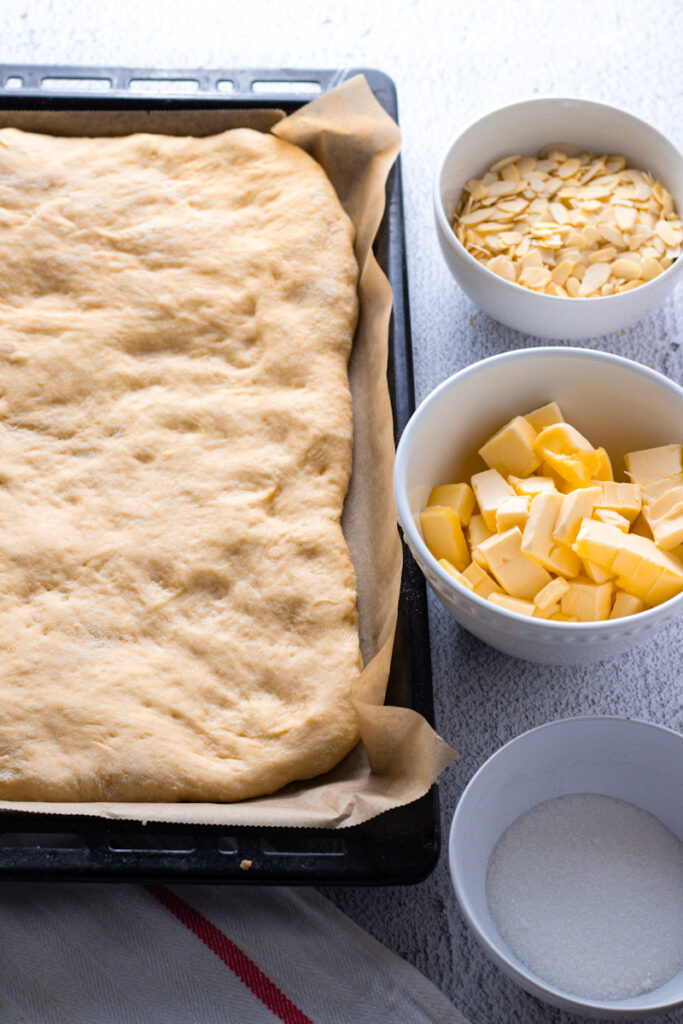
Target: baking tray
[399,846]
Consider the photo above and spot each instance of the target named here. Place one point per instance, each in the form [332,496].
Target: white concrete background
[451,62]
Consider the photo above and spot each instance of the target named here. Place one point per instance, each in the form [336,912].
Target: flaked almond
[593,279]
[628,269]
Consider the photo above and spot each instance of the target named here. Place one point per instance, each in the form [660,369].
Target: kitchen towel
[94,954]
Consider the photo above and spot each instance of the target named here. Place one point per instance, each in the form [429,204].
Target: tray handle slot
[135,842]
[165,86]
[74,83]
[41,841]
[291,88]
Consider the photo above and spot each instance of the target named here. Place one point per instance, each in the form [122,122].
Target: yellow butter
[551,593]
[547,613]
[653,491]
[530,486]
[477,531]
[606,515]
[512,512]
[667,586]
[452,571]
[568,453]
[596,572]
[481,582]
[651,464]
[443,535]
[459,497]
[574,507]
[626,499]
[511,449]
[665,518]
[598,542]
[544,416]
[538,538]
[625,604]
[668,532]
[604,470]
[491,490]
[512,604]
[587,601]
[517,573]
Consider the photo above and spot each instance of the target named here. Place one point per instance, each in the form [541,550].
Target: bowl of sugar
[566,855]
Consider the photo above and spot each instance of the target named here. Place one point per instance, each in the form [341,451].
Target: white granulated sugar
[587,891]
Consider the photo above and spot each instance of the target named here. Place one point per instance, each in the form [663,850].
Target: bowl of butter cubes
[541,493]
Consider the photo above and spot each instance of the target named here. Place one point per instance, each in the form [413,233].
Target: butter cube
[491,490]
[563,561]
[668,532]
[477,531]
[665,518]
[596,572]
[604,470]
[625,604]
[544,416]
[547,613]
[626,499]
[512,604]
[538,539]
[481,582]
[667,586]
[452,571]
[551,593]
[568,453]
[651,464]
[606,515]
[574,507]
[511,449]
[516,572]
[530,486]
[587,601]
[598,542]
[513,512]
[560,485]
[654,490]
[459,497]
[538,532]
[643,578]
[443,535]
[670,501]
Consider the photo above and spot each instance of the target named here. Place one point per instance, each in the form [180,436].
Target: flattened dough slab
[177,602]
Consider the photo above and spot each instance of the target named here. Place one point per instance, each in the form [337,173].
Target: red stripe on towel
[232,956]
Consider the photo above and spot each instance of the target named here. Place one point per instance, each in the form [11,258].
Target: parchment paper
[400,756]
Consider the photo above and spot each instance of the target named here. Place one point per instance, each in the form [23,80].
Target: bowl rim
[449,235]
[619,1008]
[406,520]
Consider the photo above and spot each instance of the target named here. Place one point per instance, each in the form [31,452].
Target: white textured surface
[452,62]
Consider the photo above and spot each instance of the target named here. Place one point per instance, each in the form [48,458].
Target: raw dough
[177,602]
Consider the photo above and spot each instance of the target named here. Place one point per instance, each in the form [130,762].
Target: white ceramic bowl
[526,128]
[633,761]
[616,403]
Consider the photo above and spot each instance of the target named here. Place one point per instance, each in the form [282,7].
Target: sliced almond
[628,269]
[594,278]
[666,232]
[625,217]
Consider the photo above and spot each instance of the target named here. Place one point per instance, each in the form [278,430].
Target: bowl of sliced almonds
[562,239]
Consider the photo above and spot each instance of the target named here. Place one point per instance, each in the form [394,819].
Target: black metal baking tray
[399,846]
